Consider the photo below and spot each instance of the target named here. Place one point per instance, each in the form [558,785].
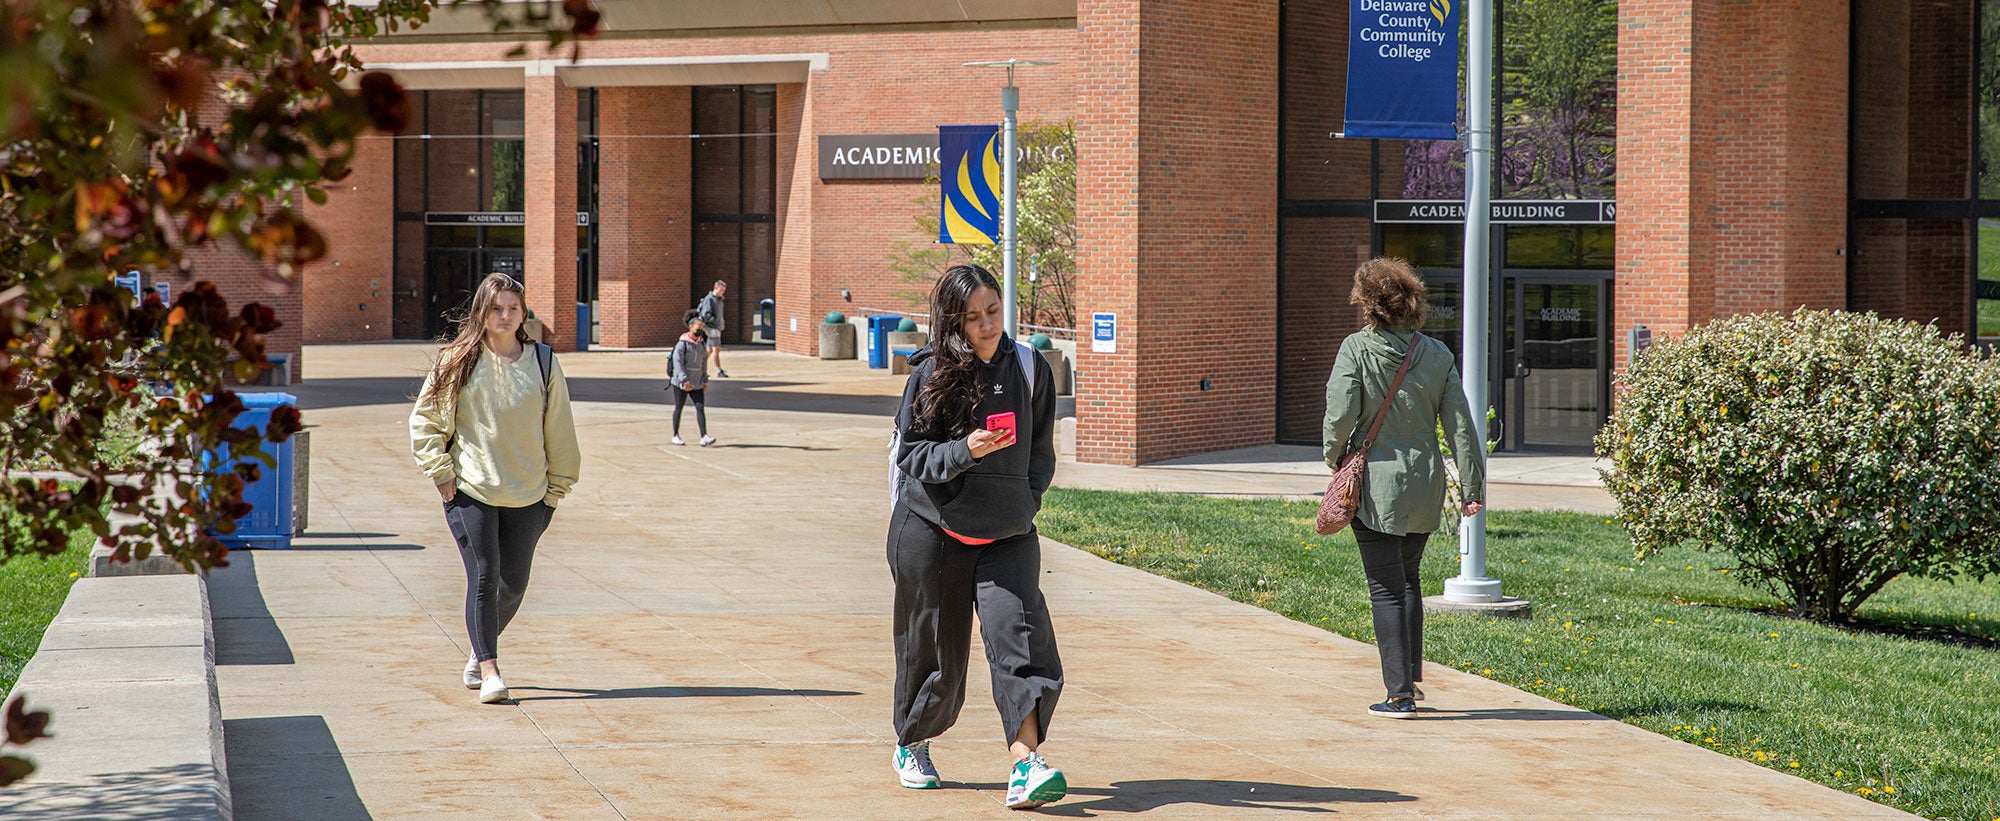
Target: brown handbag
[1343,492]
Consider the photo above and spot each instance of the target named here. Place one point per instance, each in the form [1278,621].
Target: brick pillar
[1177,202]
[798,299]
[1732,161]
[1664,234]
[550,182]
[349,294]
[644,208]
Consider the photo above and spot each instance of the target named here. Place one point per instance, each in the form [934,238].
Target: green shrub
[1828,452]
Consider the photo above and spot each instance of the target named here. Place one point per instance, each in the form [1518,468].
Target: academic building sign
[877,156]
[1601,212]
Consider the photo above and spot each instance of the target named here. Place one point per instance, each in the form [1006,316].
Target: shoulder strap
[545,356]
[1022,352]
[1408,354]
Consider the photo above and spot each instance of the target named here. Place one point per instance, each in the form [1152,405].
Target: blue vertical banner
[969,174]
[1402,69]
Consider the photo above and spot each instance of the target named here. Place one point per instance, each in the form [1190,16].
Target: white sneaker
[472,680]
[1034,783]
[707,440]
[914,768]
[494,691]
[678,440]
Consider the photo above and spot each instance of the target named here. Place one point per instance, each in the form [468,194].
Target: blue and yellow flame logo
[969,174]
[1441,9]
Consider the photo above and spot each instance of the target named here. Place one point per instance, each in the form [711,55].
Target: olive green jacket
[1403,491]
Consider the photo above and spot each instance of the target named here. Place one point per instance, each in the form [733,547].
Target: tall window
[1558,106]
[735,199]
[1925,227]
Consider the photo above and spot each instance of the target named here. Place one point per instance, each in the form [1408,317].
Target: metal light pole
[1010,102]
[1471,585]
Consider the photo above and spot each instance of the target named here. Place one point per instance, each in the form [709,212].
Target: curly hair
[1390,294]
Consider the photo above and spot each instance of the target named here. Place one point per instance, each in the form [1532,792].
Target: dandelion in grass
[1795,765]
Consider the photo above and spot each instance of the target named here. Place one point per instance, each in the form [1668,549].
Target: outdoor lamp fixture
[1010,102]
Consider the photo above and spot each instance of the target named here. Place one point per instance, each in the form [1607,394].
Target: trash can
[879,327]
[583,326]
[767,320]
[270,523]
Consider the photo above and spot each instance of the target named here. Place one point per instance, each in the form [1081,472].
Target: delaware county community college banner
[1402,69]
[969,174]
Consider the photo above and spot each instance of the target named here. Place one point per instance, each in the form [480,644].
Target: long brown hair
[949,398]
[461,353]
[1390,294]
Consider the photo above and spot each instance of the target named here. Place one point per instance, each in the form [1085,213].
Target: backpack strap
[1022,352]
[545,356]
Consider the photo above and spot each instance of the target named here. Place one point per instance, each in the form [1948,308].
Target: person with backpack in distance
[1408,385]
[710,311]
[687,378]
[973,452]
[492,430]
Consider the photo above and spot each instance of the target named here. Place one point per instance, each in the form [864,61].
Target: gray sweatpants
[940,581]
[497,545]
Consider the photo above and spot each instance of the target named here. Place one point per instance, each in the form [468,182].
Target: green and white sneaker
[1034,783]
[914,767]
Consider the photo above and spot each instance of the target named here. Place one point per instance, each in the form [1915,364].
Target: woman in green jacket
[1402,497]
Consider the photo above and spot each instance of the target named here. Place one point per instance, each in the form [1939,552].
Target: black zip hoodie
[997,496]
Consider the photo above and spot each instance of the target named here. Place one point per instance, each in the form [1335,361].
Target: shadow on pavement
[1145,796]
[321,394]
[245,633]
[1507,714]
[312,546]
[179,791]
[578,694]
[288,767]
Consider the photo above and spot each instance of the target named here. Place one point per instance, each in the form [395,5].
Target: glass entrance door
[451,274]
[1557,358]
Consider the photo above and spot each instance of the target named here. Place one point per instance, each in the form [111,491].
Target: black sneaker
[721,374]
[1395,708]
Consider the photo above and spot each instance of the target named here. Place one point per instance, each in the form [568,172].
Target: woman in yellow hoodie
[492,430]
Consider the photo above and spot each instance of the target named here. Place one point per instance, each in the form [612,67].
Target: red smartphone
[1001,421]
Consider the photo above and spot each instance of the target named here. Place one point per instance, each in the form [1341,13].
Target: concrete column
[550,206]
[644,210]
[1177,193]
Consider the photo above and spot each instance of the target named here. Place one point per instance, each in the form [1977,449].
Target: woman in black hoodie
[962,535]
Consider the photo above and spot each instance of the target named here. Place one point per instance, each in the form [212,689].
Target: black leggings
[1395,595]
[700,398]
[497,545]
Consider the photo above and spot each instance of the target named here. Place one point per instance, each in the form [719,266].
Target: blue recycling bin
[879,328]
[269,524]
[583,326]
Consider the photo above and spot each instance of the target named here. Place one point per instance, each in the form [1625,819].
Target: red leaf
[24,726]
[388,107]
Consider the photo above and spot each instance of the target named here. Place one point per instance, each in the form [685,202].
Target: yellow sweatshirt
[506,451]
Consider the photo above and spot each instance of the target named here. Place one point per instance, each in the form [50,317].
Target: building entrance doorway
[456,258]
[1555,361]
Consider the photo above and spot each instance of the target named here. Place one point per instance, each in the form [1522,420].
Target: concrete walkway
[707,637]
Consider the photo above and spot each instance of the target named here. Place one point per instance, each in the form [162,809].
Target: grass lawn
[31,591]
[1674,644]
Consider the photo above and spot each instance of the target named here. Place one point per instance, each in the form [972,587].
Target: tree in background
[133,132]
[1045,218]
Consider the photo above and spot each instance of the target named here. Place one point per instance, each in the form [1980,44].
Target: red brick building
[1703,158]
